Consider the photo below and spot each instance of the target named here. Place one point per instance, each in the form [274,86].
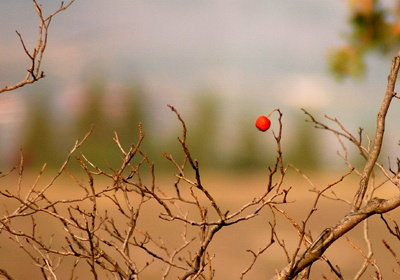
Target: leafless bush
[104,243]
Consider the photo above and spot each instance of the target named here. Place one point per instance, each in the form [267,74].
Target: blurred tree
[38,142]
[304,146]
[373,28]
[204,128]
[134,111]
[135,102]
[246,154]
[99,148]
[93,112]
[113,110]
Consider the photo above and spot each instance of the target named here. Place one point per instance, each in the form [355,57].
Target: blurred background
[221,63]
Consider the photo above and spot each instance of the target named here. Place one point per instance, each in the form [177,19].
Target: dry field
[228,249]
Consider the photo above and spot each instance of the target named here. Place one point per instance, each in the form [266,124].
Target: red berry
[263,123]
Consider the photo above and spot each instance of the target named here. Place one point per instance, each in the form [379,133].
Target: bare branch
[367,259]
[380,129]
[34,72]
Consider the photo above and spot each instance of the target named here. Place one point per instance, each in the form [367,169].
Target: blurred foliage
[373,29]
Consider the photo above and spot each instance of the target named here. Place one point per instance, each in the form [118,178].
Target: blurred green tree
[112,110]
[303,151]
[38,137]
[204,128]
[247,155]
[133,112]
[99,148]
[373,29]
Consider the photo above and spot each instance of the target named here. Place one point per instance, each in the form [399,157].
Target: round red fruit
[263,123]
